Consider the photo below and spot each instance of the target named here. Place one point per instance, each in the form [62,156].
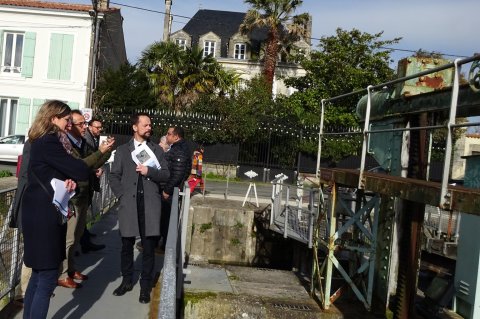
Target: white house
[50,50]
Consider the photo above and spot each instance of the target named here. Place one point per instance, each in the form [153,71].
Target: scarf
[65,142]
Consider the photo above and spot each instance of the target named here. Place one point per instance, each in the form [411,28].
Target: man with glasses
[76,224]
[92,135]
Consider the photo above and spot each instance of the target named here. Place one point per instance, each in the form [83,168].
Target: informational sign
[87,114]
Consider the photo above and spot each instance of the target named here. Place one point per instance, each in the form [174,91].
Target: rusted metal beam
[465,200]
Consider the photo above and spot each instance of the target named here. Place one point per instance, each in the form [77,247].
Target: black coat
[44,238]
[179,159]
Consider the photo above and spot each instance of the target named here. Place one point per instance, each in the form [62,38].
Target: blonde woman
[44,235]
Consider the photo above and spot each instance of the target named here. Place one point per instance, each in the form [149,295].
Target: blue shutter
[28,54]
[55,56]
[60,57]
[35,107]
[23,116]
[67,54]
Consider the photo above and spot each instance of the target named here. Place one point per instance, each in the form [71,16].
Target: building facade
[217,33]
[53,50]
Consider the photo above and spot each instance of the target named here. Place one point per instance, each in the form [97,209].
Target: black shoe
[123,288]
[91,247]
[144,296]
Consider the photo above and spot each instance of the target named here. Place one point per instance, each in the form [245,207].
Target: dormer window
[240,49]
[182,43]
[209,48]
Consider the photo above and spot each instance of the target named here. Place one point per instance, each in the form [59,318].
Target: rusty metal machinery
[398,117]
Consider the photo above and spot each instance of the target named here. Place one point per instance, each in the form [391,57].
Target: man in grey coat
[136,186]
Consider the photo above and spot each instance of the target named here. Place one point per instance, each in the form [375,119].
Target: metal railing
[11,243]
[292,215]
[174,260]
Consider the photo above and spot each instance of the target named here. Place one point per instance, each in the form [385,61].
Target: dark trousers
[41,285]
[148,243]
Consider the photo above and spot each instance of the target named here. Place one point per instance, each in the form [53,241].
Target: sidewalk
[95,300]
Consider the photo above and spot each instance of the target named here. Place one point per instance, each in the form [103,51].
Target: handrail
[173,262]
[168,295]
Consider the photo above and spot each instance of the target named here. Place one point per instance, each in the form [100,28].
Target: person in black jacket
[179,164]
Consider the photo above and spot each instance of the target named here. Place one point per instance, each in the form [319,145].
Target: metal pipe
[365,137]
[320,133]
[445,201]
[285,230]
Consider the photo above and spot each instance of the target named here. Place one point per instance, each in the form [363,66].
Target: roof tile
[50,5]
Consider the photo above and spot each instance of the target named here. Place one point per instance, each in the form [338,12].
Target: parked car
[10,147]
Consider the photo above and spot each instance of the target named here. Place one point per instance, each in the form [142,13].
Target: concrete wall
[220,231]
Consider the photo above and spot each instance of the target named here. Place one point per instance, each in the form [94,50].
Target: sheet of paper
[61,196]
[144,155]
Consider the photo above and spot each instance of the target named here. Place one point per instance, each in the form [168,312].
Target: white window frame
[8,123]
[182,43]
[11,69]
[209,48]
[237,54]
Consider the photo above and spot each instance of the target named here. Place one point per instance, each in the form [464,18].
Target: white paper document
[61,196]
[144,155]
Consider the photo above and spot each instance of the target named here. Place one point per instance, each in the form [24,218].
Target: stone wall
[220,231]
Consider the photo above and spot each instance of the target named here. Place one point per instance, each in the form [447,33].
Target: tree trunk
[271,55]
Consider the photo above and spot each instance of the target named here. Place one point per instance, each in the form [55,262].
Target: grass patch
[5,173]
[205,227]
[194,298]
[234,242]
[238,225]
[216,177]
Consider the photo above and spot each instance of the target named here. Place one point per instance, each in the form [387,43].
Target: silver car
[10,147]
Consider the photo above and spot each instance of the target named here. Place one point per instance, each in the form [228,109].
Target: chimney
[167,23]
[103,5]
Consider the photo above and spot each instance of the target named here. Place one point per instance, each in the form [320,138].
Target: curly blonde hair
[42,125]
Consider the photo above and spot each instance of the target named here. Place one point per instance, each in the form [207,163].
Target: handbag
[62,219]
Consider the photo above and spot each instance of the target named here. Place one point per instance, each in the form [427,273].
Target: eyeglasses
[97,127]
[80,124]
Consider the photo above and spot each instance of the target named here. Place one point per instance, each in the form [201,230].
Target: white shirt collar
[78,143]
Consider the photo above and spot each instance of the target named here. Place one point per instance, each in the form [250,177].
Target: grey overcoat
[123,181]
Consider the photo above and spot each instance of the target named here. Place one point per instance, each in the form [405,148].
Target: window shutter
[67,54]
[60,57]
[23,116]
[55,56]
[28,54]
[36,105]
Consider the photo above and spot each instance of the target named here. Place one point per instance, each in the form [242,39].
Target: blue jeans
[37,297]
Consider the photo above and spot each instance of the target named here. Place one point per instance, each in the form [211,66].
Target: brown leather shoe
[68,283]
[77,275]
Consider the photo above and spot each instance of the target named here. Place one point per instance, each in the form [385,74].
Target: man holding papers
[137,170]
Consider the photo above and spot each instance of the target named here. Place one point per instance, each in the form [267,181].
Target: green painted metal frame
[369,212]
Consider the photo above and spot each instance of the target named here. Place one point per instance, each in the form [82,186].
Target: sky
[444,26]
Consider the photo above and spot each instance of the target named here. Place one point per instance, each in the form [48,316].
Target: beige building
[217,33]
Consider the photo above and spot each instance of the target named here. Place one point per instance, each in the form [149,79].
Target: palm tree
[283,28]
[164,63]
[179,77]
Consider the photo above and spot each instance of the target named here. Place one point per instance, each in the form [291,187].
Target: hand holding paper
[62,194]
[144,155]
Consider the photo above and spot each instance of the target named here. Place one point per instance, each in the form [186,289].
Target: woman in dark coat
[43,234]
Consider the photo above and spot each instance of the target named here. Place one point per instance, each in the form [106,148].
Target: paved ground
[95,300]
